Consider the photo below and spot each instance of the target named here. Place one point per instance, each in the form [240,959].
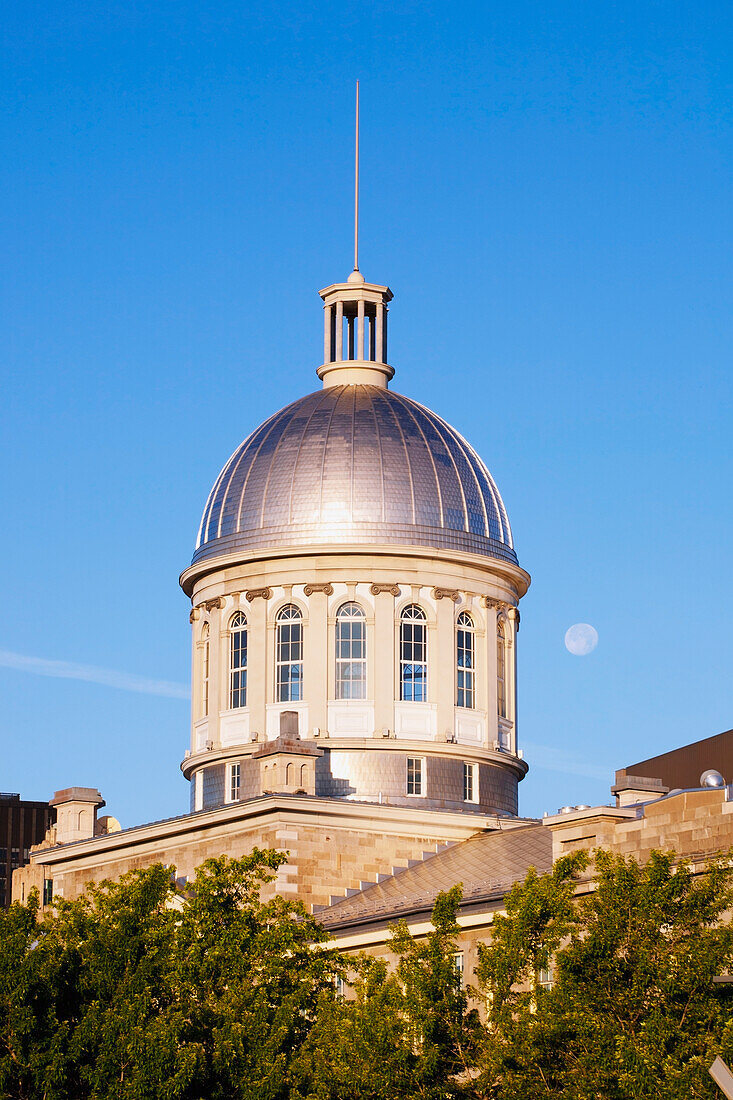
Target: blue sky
[546,189]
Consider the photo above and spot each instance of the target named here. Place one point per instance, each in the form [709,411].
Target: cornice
[372,745]
[368,817]
[517,577]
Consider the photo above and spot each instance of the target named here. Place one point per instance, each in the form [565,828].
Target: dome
[356,465]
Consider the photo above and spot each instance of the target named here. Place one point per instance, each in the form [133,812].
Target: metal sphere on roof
[356,465]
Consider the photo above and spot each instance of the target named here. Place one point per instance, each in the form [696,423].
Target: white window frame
[465,662]
[238,640]
[288,615]
[411,616]
[416,777]
[501,684]
[205,668]
[347,615]
[470,781]
[458,966]
[233,791]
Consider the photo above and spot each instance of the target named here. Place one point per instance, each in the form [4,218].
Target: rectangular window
[544,978]
[350,653]
[47,891]
[289,676]
[465,684]
[501,674]
[470,782]
[234,782]
[413,655]
[238,665]
[205,680]
[198,791]
[415,774]
[458,967]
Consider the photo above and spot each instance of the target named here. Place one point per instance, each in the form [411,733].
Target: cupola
[355,333]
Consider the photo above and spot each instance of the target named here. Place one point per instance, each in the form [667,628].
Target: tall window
[413,655]
[289,657]
[234,782]
[465,661]
[415,768]
[238,661]
[350,652]
[205,670]
[470,782]
[501,670]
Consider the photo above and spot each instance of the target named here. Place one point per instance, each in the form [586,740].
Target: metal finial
[356,187]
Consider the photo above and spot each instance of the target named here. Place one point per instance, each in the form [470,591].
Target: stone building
[354,600]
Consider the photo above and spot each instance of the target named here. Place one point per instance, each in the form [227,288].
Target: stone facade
[332,848]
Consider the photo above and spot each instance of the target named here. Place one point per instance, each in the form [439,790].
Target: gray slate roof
[487,865]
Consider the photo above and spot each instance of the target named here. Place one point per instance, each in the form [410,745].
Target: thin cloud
[555,760]
[69,670]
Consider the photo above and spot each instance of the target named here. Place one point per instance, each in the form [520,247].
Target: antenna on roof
[356,186]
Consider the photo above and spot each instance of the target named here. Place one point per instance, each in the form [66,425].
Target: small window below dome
[470,782]
[413,655]
[351,667]
[289,655]
[415,775]
[238,661]
[465,661]
[234,782]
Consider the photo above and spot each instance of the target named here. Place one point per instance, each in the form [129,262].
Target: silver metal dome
[357,465]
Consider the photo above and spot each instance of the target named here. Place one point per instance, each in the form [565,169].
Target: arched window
[238,661]
[465,661]
[500,670]
[289,775]
[205,649]
[413,655]
[350,652]
[289,656]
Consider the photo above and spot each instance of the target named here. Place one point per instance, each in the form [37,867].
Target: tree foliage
[137,990]
[133,991]
[632,1010]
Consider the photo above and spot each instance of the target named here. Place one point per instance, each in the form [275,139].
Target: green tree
[632,1011]
[134,991]
[402,1033]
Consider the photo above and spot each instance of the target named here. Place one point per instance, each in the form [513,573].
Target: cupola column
[338,350]
[360,330]
[328,333]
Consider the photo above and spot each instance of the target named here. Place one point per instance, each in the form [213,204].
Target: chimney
[76,813]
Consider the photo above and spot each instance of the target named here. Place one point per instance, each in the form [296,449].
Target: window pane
[350,653]
[413,655]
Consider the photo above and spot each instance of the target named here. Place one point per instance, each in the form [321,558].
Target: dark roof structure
[682,768]
[487,865]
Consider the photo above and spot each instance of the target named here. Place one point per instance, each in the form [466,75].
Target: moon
[581,639]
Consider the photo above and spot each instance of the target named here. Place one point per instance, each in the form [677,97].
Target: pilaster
[384,657]
[441,686]
[258,664]
[316,656]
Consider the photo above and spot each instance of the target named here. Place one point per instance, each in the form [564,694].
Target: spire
[356,185]
[355,317]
